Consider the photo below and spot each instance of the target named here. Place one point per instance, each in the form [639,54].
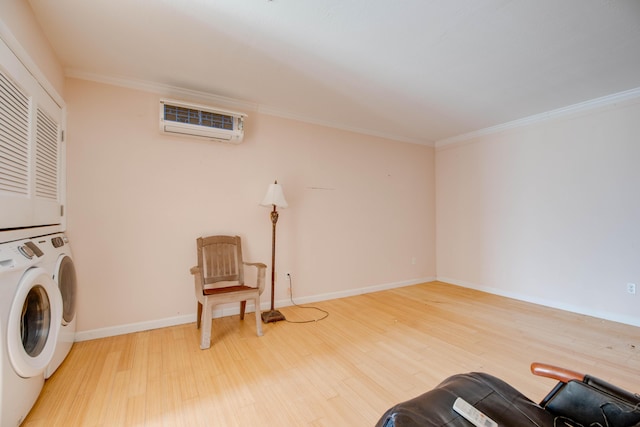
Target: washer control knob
[26,251]
[57,242]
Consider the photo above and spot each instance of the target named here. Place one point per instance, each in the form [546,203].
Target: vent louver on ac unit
[201,121]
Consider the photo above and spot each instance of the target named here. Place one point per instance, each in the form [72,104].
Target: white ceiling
[414,70]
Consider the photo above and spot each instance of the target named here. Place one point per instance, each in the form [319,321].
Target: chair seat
[228,289]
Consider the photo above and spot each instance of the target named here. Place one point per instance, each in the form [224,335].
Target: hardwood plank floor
[372,351]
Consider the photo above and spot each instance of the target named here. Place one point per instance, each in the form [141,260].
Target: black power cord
[326,313]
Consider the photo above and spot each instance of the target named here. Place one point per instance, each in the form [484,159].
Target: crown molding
[564,112]
[174,91]
[161,89]
[306,119]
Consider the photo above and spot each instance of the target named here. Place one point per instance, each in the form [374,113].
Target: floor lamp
[274,198]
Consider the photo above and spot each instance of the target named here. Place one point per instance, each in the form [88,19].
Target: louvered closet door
[31,155]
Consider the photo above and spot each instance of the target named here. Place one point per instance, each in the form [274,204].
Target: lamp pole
[273,315]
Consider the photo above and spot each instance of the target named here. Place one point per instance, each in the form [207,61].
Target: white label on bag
[472,415]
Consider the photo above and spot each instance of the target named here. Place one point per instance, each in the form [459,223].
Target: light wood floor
[371,352]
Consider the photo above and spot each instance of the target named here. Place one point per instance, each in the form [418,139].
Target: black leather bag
[594,403]
[490,395]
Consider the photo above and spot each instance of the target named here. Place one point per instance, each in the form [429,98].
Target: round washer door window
[34,322]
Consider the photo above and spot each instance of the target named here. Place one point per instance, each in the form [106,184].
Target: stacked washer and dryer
[37,276]
[37,318]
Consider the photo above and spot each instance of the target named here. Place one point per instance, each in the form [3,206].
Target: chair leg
[205,332]
[243,306]
[258,317]
[199,315]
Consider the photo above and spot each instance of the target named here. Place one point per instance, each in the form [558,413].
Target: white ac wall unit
[181,118]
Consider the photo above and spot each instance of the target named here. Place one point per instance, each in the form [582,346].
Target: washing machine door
[65,277]
[34,323]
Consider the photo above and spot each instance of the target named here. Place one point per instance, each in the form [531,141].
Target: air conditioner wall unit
[181,118]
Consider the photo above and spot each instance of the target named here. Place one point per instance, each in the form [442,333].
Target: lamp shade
[274,196]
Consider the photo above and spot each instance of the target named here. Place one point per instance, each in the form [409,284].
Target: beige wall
[360,207]
[548,213]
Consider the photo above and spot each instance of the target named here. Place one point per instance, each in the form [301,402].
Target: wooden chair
[219,279]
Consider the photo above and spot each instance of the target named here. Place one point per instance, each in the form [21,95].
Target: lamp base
[272,316]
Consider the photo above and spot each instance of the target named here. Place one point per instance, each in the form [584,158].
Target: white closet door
[31,152]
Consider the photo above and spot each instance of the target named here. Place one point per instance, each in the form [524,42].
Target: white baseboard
[354,292]
[111,331]
[230,310]
[606,315]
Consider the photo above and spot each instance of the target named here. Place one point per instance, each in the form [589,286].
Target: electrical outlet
[631,288]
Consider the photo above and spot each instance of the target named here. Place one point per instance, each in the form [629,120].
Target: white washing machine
[58,261]
[30,316]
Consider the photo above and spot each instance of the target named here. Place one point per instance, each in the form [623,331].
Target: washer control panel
[26,251]
[30,246]
[18,253]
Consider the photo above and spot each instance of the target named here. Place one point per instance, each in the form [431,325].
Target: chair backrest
[220,260]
